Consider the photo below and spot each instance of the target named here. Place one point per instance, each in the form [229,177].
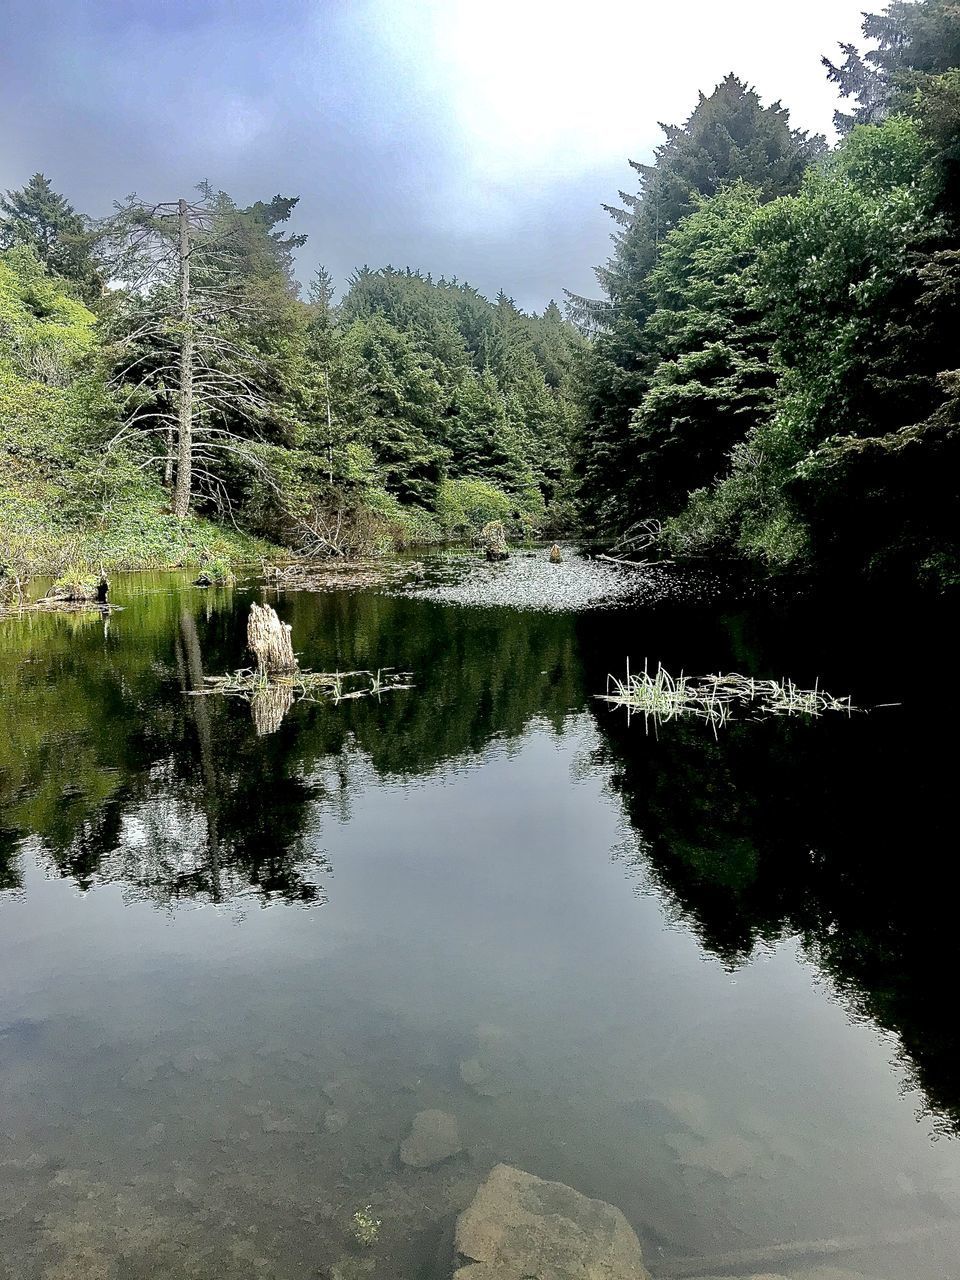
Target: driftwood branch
[632,564]
[771,1255]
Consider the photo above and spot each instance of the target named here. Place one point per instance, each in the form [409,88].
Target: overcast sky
[474,138]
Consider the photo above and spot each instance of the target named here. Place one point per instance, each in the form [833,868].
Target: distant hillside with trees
[168,395]
[769,376]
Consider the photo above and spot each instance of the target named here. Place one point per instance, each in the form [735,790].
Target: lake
[708,976]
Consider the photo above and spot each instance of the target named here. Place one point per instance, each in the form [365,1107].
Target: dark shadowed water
[711,979]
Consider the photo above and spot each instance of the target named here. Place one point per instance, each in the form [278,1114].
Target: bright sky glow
[546,86]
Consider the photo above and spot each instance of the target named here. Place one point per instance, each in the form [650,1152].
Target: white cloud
[542,89]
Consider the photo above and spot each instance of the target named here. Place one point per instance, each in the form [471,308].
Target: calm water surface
[709,979]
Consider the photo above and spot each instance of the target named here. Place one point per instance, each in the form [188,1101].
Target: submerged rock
[519,1226]
[472,1071]
[334,1120]
[433,1137]
[486,1080]
[278,1124]
[727,1155]
[349,1268]
[143,1072]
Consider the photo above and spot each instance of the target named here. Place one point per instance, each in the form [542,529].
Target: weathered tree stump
[555,556]
[269,640]
[493,538]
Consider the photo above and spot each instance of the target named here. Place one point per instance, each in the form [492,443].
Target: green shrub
[397,525]
[465,506]
[215,572]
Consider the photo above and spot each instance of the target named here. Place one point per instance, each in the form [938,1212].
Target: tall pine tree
[730,136]
[912,39]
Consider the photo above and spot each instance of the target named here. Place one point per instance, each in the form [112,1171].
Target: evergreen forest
[767,374]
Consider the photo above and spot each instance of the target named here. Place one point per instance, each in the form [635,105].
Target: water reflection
[833,831]
[120,775]
[474,920]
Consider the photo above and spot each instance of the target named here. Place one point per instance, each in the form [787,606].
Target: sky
[469,138]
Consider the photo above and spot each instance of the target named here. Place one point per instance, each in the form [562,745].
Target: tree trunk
[329,431]
[168,461]
[268,639]
[181,497]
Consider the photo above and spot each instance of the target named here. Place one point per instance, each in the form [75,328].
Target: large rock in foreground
[519,1226]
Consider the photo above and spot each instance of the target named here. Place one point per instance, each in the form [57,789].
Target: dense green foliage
[774,376]
[770,374]
[41,219]
[413,411]
[910,41]
[432,388]
[730,138]
[63,500]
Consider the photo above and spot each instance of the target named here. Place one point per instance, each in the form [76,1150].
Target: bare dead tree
[181,497]
[186,371]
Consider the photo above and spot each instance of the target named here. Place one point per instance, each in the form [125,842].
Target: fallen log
[632,564]
[795,1250]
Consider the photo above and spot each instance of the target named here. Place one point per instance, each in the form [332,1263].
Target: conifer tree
[730,136]
[200,335]
[710,340]
[912,40]
[322,290]
[41,218]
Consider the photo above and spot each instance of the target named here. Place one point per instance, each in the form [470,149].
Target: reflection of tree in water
[123,776]
[833,831]
[836,831]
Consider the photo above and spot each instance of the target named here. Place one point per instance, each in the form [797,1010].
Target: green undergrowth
[40,534]
[463,507]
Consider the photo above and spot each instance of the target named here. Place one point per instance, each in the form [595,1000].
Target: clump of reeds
[309,685]
[662,697]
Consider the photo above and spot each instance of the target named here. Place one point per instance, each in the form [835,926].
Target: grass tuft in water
[663,697]
[309,685]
